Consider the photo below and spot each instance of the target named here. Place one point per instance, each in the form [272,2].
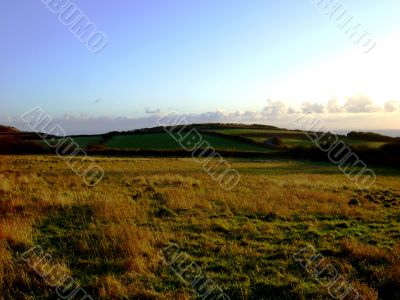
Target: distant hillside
[236,140]
[222,136]
[8,129]
[370,136]
[14,141]
[201,127]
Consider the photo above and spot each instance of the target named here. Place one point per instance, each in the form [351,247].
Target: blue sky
[188,56]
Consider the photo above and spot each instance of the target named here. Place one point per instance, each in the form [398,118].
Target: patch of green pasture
[297,143]
[252,131]
[85,141]
[353,142]
[163,141]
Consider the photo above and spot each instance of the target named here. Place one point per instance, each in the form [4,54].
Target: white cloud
[333,106]
[352,114]
[360,104]
[154,111]
[392,106]
[274,108]
[308,107]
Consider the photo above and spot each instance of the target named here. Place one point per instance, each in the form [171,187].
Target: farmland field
[291,138]
[87,140]
[163,141]
[254,131]
[226,139]
[109,237]
[307,143]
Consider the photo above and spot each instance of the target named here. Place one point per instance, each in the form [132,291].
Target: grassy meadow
[163,141]
[292,138]
[109,237]
[223,137]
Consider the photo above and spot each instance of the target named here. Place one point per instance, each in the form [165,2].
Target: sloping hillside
[14,141]
[236,138]
[8,129]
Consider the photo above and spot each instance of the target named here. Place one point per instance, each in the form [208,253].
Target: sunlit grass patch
[110,236]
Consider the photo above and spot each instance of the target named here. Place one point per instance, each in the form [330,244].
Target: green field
[254,131]
[163,141]
[353,142]
[88,140]
[308,143]
[234,140]
[261,135]
[297,143]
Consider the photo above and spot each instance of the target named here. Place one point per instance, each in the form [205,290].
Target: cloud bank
[356,112]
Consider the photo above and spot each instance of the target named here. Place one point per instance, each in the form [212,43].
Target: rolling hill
[237,137]
[231,138]
[7,129]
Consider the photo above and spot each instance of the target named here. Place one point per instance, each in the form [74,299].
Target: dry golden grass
[17,232]
[118,208]
[110,236]
[6,265]
[359,251]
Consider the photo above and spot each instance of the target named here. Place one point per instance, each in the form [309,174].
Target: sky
[256,61]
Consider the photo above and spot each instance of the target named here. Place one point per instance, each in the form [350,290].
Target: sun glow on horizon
[374,75]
